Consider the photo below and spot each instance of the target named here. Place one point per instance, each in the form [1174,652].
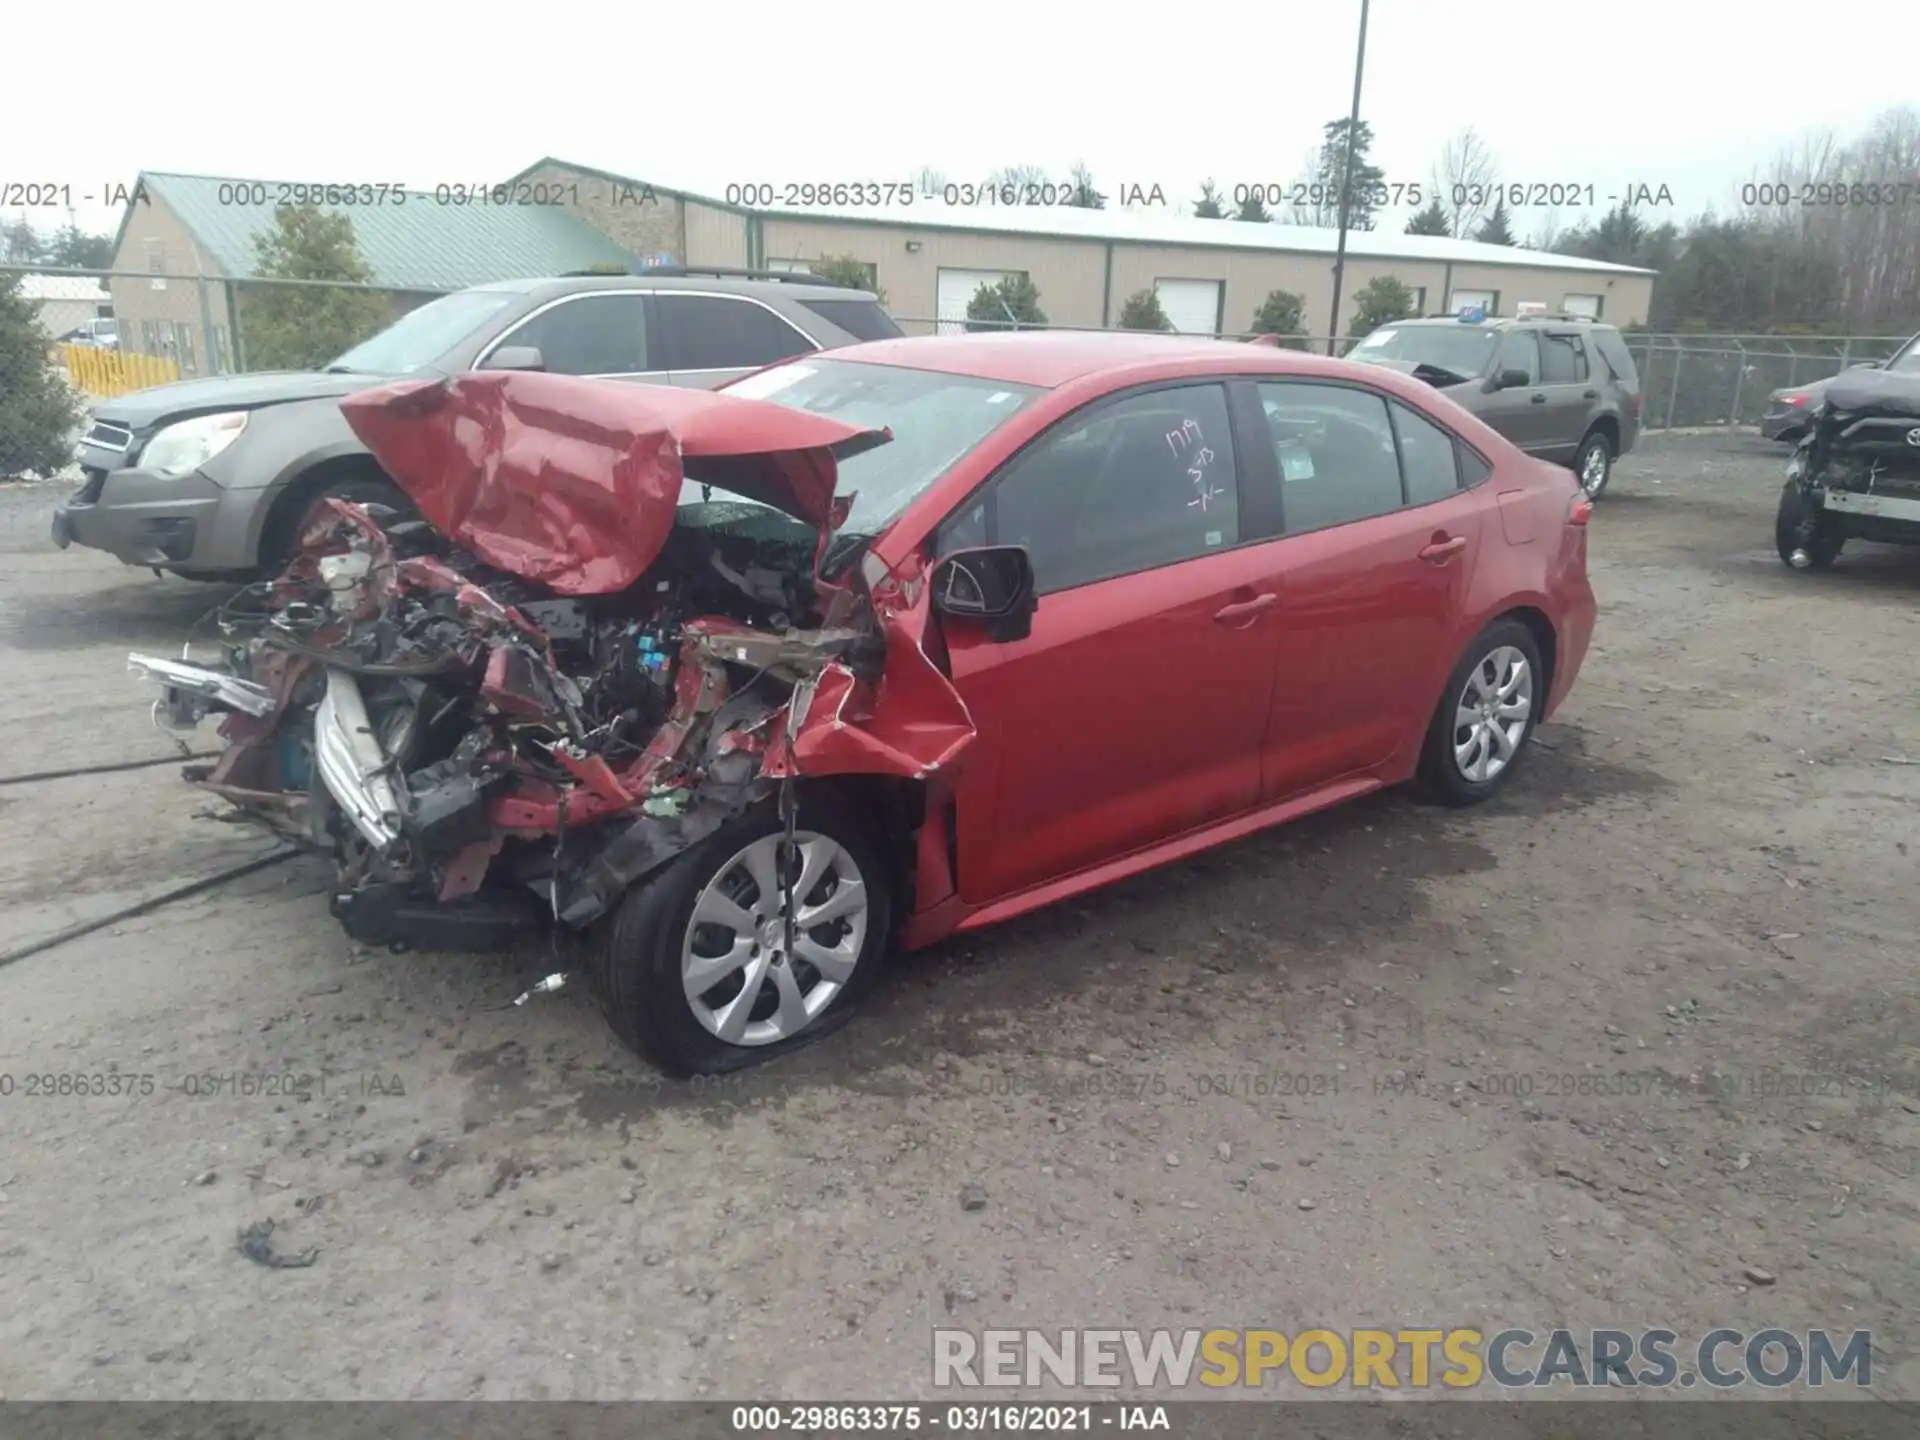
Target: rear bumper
[145,519]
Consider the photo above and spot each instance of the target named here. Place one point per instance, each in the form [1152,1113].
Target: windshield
[1462,350]
[1906,359]
[422,336]
[935,419]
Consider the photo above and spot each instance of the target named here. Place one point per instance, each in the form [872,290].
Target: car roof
[1048,359]
[550,285]
[1500,322]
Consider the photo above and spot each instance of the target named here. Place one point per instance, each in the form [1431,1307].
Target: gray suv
[1561,387]
[212,478]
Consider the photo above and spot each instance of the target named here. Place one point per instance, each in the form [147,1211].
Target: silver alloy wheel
[741,982]
[1593,469]
[1494,710]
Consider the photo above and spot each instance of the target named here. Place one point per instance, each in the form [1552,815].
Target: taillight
[1795,400]
[1581,512]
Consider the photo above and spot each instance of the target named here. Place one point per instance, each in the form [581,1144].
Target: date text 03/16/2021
[200,1084]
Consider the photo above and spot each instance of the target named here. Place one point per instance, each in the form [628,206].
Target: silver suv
[212,478]
[1561,387]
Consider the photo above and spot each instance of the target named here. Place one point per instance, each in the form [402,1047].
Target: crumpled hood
[573,483]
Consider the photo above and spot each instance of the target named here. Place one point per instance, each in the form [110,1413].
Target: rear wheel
[1593,463]
[697,972]
[1479,731]
[1804,546]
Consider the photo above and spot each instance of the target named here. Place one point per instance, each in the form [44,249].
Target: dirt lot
[1705,876]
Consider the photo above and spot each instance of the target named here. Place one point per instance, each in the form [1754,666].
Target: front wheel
[1593,464]
[697,971]
[1804,536]
[1479,731]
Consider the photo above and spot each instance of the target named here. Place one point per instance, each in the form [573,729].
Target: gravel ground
[1358,1071]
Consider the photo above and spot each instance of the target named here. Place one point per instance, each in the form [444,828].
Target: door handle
[1538,398]
[1246,609]
[1441,551]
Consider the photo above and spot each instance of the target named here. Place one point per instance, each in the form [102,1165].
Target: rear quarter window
[862,319]
[1619,359]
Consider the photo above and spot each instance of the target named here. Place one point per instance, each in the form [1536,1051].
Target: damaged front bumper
[501,726]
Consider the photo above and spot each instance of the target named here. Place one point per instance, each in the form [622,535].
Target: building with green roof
[195,236]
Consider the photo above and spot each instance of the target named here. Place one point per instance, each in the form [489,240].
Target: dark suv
[211,478]
[1560,387]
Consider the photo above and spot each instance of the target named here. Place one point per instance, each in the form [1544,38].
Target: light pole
[1346,179]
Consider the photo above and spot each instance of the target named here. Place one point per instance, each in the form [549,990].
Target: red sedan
[865,649]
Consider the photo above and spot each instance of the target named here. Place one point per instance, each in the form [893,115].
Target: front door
[1519,413]
[1134,710]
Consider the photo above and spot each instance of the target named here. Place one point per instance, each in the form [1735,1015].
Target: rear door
[600,333]
[1520,414]
[1571,395]
[708,339]
[1134,710]
[1380,540]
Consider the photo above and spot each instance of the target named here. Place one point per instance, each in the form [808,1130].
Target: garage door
[1467,299]
[956,290]
[1192,305]
[1587,305]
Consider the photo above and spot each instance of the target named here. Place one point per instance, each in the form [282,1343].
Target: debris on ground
[257,1245]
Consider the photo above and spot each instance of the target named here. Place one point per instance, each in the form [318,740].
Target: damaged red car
[735,690]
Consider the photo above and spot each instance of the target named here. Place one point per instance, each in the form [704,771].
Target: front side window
[593,335]
[1521,351]
[715,332]
[421,337]
[1125,486]
[1337,455]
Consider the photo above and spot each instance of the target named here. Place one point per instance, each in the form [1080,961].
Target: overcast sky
[1681,93]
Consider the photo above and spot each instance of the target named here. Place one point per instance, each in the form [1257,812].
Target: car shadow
[1287,910]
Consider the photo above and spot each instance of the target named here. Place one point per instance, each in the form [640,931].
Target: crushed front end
[1856,474]
[504,710]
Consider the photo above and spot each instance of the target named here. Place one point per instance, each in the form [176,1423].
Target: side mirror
[1511,379]
[994,584]
[1866,364]
[515,357]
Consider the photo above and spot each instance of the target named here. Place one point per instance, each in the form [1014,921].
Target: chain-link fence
[1698,380]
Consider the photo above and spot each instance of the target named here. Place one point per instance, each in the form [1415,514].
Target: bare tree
[929,183]
[1465,177]
[1019,176]
[1548,230]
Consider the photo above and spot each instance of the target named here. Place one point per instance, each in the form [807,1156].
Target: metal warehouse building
[1211,275]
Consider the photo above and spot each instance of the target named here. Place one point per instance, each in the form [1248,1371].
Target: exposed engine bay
[481,751]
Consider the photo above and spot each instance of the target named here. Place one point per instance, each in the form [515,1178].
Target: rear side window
[1426,457]
[1619,359]
[717,332]
[862,319]
[1563,360]
[1337,455]
[1473,470]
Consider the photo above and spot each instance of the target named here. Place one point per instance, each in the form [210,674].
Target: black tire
[1822,549]
[636,970]
[292,517]
[1594,443]
[1441,773]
